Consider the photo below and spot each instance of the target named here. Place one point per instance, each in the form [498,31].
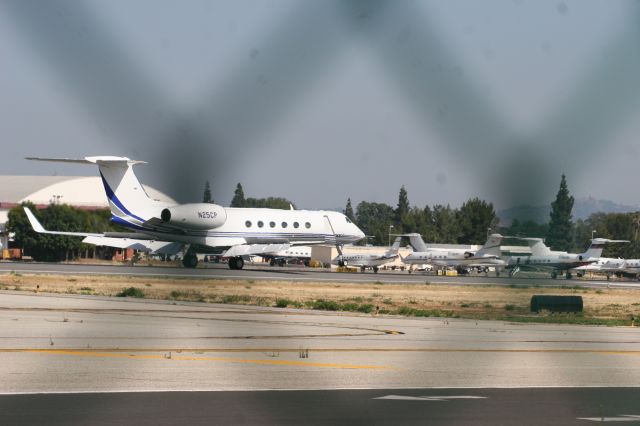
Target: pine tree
[206,196]
[238,197]
[475,218]
[348,211]
[560,235]
[402,210]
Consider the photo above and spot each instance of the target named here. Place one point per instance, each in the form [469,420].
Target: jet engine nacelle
[195,216]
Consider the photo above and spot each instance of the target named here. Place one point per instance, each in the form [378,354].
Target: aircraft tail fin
[597,246]
[537,246]
[393,250]
[492,246]
[416,242]
[128,201]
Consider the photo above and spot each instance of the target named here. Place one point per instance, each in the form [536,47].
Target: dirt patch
[610,306]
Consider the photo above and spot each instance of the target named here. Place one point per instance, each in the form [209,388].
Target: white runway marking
[429,398]
[620,418]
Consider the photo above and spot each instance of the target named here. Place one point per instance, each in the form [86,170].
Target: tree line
[468,224]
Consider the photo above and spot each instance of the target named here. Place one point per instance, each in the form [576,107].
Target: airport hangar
[84,192]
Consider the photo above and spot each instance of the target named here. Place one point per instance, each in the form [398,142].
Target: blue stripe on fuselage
[112,197]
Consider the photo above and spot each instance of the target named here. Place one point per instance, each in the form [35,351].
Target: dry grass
[480,302]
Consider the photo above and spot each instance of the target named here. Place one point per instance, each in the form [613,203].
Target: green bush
[325,305]
[131,292]
[282,303]
[365,308]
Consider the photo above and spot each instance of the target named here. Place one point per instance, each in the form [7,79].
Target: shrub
[365,308]
[325,305]
[282,303]
[131,292]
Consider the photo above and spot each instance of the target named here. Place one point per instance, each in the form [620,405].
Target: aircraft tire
[568,275]
[190,261]
[375,269]
[239,263]
[232,263]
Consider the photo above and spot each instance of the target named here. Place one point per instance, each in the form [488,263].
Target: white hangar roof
[77,191]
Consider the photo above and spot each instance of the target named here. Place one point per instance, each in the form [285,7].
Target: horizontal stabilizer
[88,160]
[149,246]
[255,249]
[37,226]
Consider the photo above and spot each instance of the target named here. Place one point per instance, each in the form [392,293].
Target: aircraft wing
[254,249]
[37,226]
[150,246]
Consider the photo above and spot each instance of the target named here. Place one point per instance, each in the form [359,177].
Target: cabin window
[284,224]
[260,224]
[248,224]
[272,224]
[296,225]
[307,225]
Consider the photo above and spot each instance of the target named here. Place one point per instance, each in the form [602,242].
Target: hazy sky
[320,101]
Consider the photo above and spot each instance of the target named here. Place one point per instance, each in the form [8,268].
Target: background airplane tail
[416,242]
[597,246]
[393,250]
[491,246]
[537,246]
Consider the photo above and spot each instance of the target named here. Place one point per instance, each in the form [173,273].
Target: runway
[76,343]
[548,406]
[301,274]
[68,354]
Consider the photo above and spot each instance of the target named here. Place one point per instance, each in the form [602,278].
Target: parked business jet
[544,259]
[487,256]
[294,253]
[631,267]
[612,266]
[364,261]
[162,228]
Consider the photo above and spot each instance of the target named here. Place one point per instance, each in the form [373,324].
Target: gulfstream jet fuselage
[159,227]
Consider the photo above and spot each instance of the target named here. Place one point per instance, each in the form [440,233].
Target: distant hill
[582,209]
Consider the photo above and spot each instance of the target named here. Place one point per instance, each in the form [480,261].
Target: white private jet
[544,259]
[295,253]
[612,266]
[487,256]
[373,261]
[162,228]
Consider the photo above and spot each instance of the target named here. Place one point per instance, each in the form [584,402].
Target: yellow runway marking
[191,358]
[311,349]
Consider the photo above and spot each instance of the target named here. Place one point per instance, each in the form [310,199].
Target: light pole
[390,228]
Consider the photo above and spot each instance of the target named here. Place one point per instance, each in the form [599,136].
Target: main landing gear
[236,263]
[190,260]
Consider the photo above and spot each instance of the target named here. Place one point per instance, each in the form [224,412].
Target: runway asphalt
[546,406]
[296,273]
